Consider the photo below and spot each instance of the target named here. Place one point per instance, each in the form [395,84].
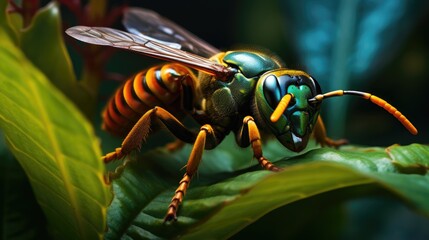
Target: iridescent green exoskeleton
[243,92]
[296,124]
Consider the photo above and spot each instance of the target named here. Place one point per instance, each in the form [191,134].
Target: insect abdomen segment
[157,86]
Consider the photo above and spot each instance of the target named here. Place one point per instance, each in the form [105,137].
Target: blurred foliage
[50,138]
[373,46]
[21,215]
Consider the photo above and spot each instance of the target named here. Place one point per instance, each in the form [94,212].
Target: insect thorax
[225,103]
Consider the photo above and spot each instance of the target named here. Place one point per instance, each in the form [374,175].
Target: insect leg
[187,102]
[255,140]
[322,138]
[206,133]
[175,145]
[187,93]
[142,128]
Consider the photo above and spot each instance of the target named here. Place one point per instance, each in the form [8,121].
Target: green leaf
[21,216]
[56,147]
[42,43]
[4,23]
[405,157]
[359,39]
[219,204]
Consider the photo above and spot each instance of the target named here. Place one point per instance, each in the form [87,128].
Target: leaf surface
[55,145]
[42,43]
[21,216]
[220,203]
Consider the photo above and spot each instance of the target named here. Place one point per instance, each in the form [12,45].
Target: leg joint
[247,119]
[207,128]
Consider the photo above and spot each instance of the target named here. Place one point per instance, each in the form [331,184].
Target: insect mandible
[239,91]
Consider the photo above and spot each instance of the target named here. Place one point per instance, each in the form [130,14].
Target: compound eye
[272,91]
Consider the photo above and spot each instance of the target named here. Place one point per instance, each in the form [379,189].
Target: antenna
[374,99]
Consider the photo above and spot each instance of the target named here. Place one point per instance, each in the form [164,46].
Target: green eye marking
[301,95]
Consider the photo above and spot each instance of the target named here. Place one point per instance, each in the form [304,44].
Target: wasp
[243,92]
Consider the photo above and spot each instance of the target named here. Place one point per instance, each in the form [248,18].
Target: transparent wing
[147,46]
[148,23]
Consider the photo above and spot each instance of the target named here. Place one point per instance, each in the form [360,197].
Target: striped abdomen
[157,86]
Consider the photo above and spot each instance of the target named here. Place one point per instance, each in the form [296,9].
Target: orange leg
[321,137]
[255,141]
[142,128]
[175,145]
[191,169]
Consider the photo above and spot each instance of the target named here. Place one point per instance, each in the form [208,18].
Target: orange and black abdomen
[157,86]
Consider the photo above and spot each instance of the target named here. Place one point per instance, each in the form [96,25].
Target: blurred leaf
[361,35]
[380,216]
[219,205]
[42,43]
[325,213]
[97,9]
[4,20]
[56,147]
[341,41]
[21,216]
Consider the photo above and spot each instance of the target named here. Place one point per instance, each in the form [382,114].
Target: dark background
[398,74]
